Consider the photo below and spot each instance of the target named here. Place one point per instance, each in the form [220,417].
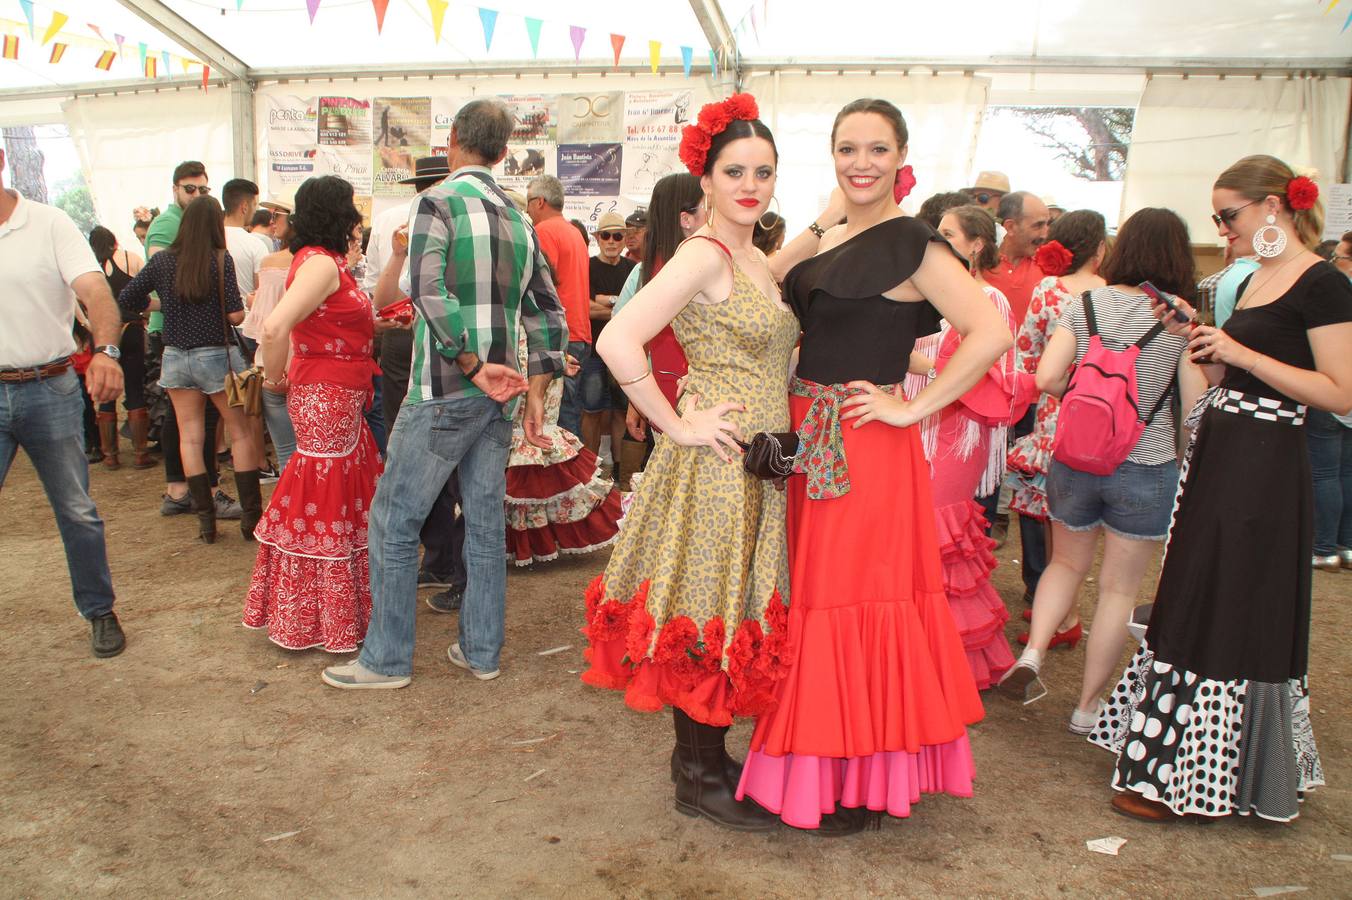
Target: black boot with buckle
[703,787]
[199,488]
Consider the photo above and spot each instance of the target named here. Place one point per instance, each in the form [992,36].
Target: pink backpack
[1100,418]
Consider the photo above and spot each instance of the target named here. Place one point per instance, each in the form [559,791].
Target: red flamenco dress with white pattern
[311,583]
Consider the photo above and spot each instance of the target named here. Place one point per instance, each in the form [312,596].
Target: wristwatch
[110,350]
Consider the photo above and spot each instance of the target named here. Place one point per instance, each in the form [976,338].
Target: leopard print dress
[690,611]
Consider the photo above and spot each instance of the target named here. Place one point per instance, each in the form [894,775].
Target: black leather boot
[199,488]
[250,501]
[703,787]
[732,766]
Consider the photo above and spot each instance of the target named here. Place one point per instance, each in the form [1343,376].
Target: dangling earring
[1269,248]
[971,265]
[709,213]
[761,220]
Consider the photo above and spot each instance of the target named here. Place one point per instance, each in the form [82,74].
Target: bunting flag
[59,19]
[168,69]
[380,7]
[713,63]
[206,75]
[489,18]
[28,14]
[105,60]
[58,51]
[312,7]
[239,4]
[143,55]
[438,10]
[617,44]
[183,61]
[1348,22]
[577,33]
[533,32]
[654,55]
[151,67]
[11,46]
[755,27]
[120,41]
[687,57]
[94,28]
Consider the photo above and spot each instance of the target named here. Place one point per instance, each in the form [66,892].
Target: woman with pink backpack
[1114,466]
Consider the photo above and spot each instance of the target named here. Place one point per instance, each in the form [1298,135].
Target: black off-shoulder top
[850,330]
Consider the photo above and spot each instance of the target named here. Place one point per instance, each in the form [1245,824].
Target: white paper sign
[1337,211]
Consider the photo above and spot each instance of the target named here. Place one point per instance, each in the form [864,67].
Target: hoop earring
[1269,248]
[709,213]
[761,220]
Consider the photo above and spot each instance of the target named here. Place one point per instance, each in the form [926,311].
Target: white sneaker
[355,676]
[1022,683]
[1084,722]
[457,658]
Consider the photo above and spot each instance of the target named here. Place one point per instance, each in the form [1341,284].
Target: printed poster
[523,162]
[290,137]
[653,121]
[401,129]
[590,170]
[591,118]
[536,118]
[345,141]
[443,116]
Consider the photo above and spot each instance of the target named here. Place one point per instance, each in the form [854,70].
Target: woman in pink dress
[311,584]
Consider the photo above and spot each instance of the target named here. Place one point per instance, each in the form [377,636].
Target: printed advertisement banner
[402,134]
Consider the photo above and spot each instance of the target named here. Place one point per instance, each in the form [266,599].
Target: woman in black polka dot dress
[1212,716]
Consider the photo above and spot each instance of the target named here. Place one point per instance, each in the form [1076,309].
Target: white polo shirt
[247,250]
[41,255]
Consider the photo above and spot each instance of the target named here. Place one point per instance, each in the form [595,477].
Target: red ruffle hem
[565,508]
[687,667]
[978,611]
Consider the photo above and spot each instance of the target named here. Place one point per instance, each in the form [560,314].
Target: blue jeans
[375,416]
[570,408]
[46,419]
[279,425]
[431,440]
[1331,467]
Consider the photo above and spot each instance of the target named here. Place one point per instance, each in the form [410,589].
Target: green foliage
[72,196]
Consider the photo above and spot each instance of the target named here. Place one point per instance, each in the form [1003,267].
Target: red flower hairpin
[905,181]
[713,119]
[1053,258]
[1301,192]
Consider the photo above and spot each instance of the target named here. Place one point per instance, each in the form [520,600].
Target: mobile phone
[1168,300]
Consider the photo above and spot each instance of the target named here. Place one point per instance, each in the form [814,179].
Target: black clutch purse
[770,455]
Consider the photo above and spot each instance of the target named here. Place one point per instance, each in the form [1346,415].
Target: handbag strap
[225,319]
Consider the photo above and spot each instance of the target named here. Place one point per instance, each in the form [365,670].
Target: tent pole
[184,33]
[242,129]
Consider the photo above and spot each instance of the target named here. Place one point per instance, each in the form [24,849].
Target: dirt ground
[207,762]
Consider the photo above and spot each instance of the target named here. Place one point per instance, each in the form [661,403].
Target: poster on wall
[345,141]
[401,129]
[653,121]
[290,128]
[443,115]
[591,118]
[523,162]
[535,118]
[590,170]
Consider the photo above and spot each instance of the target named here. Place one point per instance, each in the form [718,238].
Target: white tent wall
[129,145]
[1188,130]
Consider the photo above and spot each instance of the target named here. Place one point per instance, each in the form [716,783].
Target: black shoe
[730,765]
[427,580]
[703,787]
[846,821]
[447,601]
[107,638]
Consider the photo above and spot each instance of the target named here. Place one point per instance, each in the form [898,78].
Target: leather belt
[34,373]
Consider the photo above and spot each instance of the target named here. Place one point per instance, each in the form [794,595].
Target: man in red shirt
[1026,221]
[567,254]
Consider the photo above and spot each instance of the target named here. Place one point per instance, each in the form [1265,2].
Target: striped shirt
[1122,320]
[478,276]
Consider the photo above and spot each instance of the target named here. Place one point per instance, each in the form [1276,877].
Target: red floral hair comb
[1053,258]
[1301,192]
[713,119]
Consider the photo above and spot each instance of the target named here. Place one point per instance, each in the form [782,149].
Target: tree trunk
[25,163]
[1102,143]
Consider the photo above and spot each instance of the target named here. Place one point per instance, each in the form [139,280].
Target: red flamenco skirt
[874,708]
[311,584]
[567,507]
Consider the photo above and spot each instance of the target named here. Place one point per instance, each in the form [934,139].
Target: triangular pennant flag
[59,19]
[577,33]
[206,76]
[239,4]
[11,46]
[687,56]
[489,18]
[94,28]
[617,44]
[755,27]
[105,60]
[380,7]
[151,67]
[28,14]
[58,51]
[654,55]
[713,63]
[187,64]
[438,10]
[143,55]
[120,41]
[533,32]
[1348,22]
[168,69]
[312,7]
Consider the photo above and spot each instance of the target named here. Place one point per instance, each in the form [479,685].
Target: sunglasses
[1228,215]
[610,235]
[191,189]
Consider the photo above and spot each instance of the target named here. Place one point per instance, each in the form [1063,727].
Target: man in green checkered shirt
[478,281]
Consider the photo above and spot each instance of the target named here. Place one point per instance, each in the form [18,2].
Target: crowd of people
[832,426]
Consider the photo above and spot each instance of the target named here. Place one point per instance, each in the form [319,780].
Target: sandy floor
[207,762]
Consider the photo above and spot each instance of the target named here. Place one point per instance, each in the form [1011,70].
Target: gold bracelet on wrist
[817,230]
[636,380]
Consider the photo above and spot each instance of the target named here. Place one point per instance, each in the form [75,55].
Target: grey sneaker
[427,580]
[447,601]
[227,507]
[458,659]
[1331,563]
[355,676]
[171,507]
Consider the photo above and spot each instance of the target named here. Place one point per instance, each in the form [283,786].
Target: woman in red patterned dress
[311,586]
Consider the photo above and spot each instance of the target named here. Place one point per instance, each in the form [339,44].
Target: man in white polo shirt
[45,264]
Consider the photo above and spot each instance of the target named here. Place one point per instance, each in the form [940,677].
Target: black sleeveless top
[850,330]
[116,282]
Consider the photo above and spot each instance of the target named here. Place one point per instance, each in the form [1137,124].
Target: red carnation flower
[694,148]
[1053,258]
[905,181]
[1301,192]
[742,106]
[713,118]
[640,634]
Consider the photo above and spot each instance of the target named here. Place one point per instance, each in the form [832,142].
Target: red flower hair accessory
[713,119]
[1301,192]
[1053,258]
[905,181]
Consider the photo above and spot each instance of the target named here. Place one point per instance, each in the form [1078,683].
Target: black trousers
[173,463]
[133,363]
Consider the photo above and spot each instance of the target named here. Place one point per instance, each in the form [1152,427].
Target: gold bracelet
[636,380]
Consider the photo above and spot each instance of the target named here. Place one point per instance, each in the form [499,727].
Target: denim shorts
[1136,501]
[598,390]
[200,369]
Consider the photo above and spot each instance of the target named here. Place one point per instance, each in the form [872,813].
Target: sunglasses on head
[1228,215]
[191,189]
[610,235]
